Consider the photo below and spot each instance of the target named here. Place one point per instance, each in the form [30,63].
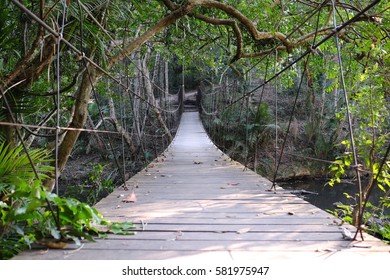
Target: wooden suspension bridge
[194,202]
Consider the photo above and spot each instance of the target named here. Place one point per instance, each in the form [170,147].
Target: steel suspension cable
[273,187]
[349,120]
[258,108]
[80,5]
[58,97]
[276,116]
[58,105]
[124,125]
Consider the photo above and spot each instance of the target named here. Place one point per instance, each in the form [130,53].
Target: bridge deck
[193,202]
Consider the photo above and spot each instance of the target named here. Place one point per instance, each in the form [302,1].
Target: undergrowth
[29,214]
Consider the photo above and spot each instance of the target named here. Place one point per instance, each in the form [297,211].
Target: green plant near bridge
[31,214]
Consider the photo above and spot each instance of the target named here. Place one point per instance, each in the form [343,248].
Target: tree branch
[178,13]
[226,22]
[287,44]
[296,43]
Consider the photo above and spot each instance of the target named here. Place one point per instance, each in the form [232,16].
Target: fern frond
[15,165]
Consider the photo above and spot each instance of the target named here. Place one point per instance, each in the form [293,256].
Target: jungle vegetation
[69,68]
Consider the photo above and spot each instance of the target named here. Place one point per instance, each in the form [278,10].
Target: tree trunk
[119,128]
[98,140]
[149,92]
[137,104]
[79,118]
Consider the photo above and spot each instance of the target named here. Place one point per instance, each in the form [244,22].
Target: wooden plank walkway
[194,202]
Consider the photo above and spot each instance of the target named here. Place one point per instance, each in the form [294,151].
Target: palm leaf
[15,165]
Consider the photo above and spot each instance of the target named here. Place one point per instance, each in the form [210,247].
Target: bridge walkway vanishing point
[195,203]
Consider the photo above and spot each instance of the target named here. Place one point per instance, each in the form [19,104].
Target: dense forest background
[92,91]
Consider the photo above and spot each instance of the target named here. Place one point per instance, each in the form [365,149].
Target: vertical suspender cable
[124,125]
[246,129]
[273,187]
[58,96]
[277,163]
[276,113]
[349,119]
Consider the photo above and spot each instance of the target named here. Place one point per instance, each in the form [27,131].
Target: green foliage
[29,213]
[262,115]
[15,167]
[376,218]
[370,110]
[5,26]
[338,168]
[96,187]
[343,212]
[8,44]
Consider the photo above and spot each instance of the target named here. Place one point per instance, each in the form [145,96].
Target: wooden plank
[156,254]
[236,228]
[154,198]
[230,236]
[221,215]
[180,207]
[233,221]
[218,245]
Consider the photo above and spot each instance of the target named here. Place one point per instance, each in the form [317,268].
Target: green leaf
[121,228]
[34,204]
[381,187]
